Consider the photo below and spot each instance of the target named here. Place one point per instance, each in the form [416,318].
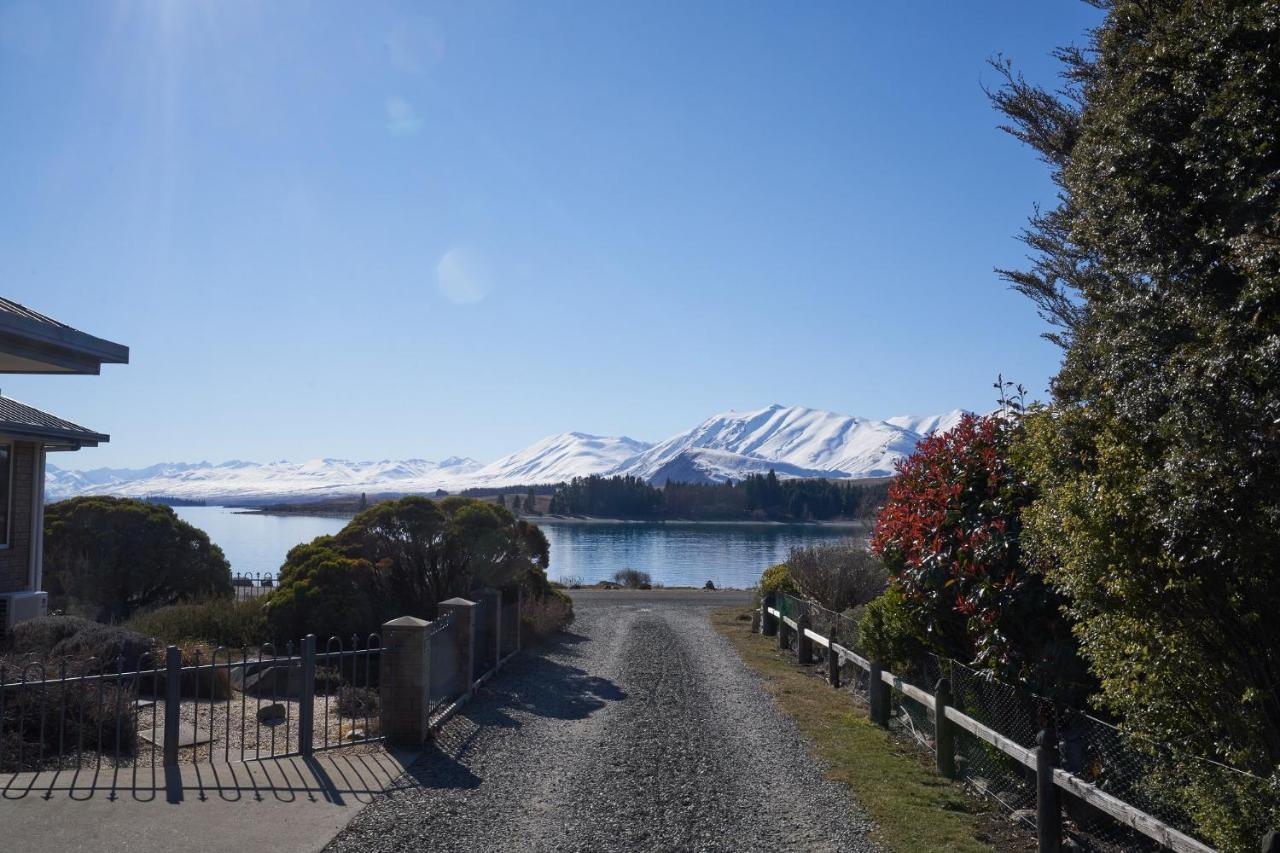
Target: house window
[6,491]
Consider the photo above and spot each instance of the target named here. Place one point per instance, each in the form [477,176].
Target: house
[33,343]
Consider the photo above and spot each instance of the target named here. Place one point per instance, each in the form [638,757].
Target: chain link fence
[1148,777]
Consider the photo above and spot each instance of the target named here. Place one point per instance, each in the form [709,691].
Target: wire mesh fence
[1147,777]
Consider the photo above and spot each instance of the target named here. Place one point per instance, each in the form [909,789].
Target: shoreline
[851,524]
[583,519]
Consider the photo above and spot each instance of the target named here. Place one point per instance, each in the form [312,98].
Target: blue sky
[437,229]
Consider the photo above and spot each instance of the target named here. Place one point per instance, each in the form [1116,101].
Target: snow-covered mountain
[793,441]
[561,457]
[928,424]
[812,442]
[238,480]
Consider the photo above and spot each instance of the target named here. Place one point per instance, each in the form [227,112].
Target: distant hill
[793,441]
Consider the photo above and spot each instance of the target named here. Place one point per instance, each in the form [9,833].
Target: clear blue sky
[390,230]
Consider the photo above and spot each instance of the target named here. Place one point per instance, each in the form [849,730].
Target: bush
[887,632]
[838,575]
[401,558]
[219,622]
[357,702]
[777,579]
[542,616]
[51,638]
[115,556]
[1158,463]
[35,725]
[949,535]
[633,579]
[325,593]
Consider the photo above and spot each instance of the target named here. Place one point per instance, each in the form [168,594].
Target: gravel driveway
[640,730]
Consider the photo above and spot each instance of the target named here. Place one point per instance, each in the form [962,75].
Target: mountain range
[793,441]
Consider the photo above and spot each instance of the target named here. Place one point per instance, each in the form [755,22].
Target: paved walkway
[287,804]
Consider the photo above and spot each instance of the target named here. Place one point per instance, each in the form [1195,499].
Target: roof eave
[64,348]
[55,438]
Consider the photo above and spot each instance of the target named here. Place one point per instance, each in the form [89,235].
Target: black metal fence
[167,707]
[249,585]
[995,755]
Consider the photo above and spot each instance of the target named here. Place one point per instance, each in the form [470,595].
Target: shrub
[219,621]
[325,593]
[777,579]
[357,702]
[115,556]
[401,558]
[51,638]
[887,631]
[633,579]
[1158,462]
[949,535]
[546,614]
[37,723]
[837,575]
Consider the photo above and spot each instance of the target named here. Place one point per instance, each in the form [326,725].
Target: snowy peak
[810,440]
[792,441]
[561,457]
[928,424]
[240,480]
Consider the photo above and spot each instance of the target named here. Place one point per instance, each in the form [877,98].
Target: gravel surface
[640,730]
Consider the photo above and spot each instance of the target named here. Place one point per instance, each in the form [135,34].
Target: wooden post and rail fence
[1051,780]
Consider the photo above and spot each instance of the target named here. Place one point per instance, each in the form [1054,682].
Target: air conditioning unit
[18,607]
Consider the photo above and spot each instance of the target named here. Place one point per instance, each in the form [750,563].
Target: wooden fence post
[804,644]
[944,729]
[768,622]
[784,634]
[1048,815]
[878,696]
[833,661]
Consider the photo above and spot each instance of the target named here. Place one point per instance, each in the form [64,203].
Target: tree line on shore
[758,497]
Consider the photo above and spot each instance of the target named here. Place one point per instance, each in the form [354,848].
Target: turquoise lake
[674,553]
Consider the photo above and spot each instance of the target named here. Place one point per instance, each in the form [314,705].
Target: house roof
[25,421]
[30,342]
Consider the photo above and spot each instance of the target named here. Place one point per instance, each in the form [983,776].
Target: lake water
[673,553]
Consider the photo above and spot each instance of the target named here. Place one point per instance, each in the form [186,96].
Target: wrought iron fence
[247,585]
[1092,754]
[170,706]
[448,684]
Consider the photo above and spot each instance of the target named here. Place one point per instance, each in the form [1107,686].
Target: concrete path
[286,804]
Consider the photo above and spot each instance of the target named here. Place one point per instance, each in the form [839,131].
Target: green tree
[1158,460]
[403,557]
[114,556]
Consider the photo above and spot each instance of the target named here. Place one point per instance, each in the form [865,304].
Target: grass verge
[914,808]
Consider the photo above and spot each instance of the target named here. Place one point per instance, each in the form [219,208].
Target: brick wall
[15,561]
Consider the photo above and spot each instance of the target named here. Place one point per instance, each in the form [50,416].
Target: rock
[271,681]
[271,715]
[1023,817]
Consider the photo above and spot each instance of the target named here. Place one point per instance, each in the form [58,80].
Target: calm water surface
[674,553]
